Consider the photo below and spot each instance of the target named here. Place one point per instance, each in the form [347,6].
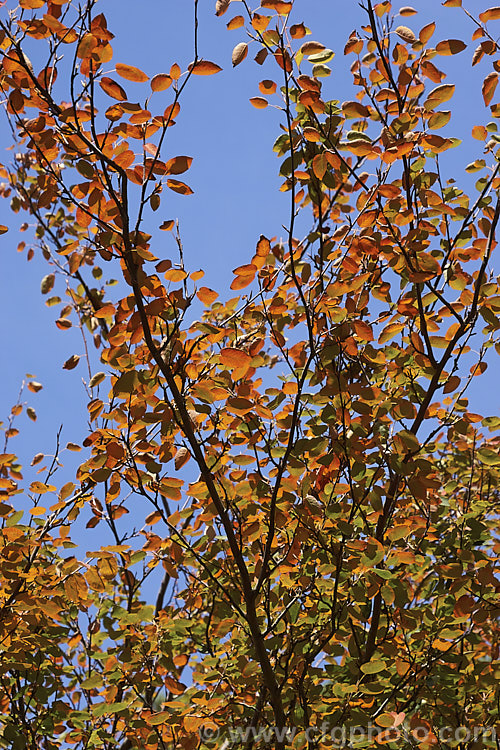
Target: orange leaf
[171,112]
[234,358]
[131,73]
[206,295]
[281,7]
[320,165]
[450,47]
[240,282]
[125,159]
[112,88]
[363,330]
[175,274]
[160,82]
[263,247]
[87,45]
[258,102]
[489,86]
[427,32]
[492,14]
[267,87]
[204,68]
[298,31]
[175,72]
[311,134]
[179,187]
[106,311]
[247,270]
[178,164]
[168,225]
[235,23]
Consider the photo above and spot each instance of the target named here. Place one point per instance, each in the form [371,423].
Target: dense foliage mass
[298,468]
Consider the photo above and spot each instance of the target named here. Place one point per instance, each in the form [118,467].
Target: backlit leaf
[131,73]
[178,164]
[204,68]
[112,88]
[179,187]
[489,87]
[160,82]
[491,14]
[439,95]
[450,47]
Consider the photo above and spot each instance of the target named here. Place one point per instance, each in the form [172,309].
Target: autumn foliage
[292,462]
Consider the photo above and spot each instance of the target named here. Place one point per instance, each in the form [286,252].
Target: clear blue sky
[234,176]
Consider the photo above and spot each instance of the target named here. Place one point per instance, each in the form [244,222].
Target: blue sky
[234,176]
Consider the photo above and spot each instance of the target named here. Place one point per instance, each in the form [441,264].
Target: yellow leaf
[439,95]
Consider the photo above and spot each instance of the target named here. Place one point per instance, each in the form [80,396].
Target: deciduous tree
[297,463]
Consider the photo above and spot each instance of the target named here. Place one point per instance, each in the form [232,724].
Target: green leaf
[372,667]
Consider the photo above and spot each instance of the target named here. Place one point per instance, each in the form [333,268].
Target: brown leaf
[182,456]
[489,86]
[450,46]
[47,283]
[407,10]
[406,34]
[311,48]
[239,53]
[221,6]
[72,362]
[261,56]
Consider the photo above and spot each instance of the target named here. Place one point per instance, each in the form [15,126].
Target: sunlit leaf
[204,68]
[239,53]
[131,73]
